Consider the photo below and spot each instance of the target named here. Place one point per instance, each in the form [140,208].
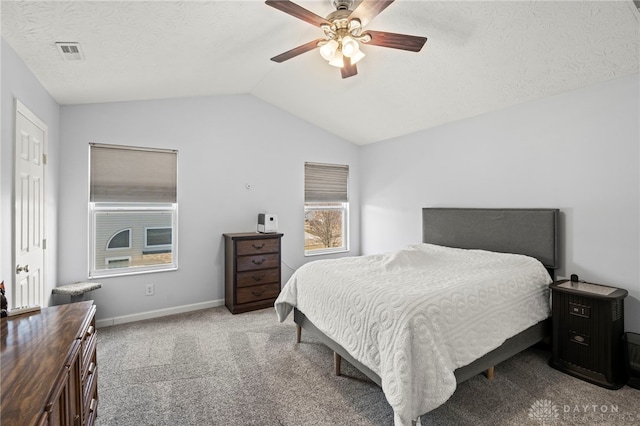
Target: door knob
[24,268]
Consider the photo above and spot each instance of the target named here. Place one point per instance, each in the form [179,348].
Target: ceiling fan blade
[349,69]
[369,9]
[299,12]
[396,41]
[296,51]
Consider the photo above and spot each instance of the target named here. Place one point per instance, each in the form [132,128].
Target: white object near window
[326,208]
[133,210]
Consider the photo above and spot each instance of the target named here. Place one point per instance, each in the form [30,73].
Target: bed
[417,329]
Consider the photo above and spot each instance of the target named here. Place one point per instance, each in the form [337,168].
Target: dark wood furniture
[49,367]
[532,232]
[252,271]
[588,325]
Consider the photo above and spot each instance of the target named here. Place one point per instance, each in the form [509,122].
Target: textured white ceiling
[479,57]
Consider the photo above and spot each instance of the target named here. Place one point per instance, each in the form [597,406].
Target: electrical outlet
[149,290]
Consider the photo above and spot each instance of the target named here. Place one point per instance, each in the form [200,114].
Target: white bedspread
[416,315]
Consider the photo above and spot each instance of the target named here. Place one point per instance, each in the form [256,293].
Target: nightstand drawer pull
[257,277]
[92,367]
[581,339]
[257,262]
[257,246]
[257,293]
[90,330]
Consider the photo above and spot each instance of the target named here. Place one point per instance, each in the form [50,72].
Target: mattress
[415,315]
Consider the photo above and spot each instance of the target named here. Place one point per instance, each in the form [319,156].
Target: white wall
[224,143]
[576,151]
[19,83]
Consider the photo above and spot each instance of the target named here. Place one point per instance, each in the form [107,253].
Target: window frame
[344,208]
[326,187]
[96,208]
[134,180]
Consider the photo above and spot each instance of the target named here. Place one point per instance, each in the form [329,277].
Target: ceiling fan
[344,31]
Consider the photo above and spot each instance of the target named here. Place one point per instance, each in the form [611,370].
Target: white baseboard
[105,322]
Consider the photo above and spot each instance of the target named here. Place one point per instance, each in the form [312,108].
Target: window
[118,262]
[326,208]
[120,240]
[133,210]
[157,238]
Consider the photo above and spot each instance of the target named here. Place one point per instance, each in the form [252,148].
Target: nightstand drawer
[258,292]
[249,247]
[257,277]
[261,261]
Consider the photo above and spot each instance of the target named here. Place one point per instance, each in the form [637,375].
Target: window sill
[129,272]
[324,252]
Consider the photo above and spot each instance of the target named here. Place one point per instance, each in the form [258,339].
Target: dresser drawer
[248,247]
[257,277]
[260,261]
[258,292]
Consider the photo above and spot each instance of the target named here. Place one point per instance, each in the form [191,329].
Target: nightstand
[252,271]
[588,325]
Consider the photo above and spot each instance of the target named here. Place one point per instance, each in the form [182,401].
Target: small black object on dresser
[588,325]
[252,271]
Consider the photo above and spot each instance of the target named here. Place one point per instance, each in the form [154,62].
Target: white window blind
[325,182]
[130,174]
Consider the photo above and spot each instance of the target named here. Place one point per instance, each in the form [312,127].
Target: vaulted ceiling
[480,56]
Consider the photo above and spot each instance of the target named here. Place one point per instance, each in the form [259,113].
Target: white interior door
[28,284]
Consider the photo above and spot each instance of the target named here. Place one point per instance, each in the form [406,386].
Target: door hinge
[44,244]
[44,159]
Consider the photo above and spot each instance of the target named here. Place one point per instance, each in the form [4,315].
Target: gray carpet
[213,368]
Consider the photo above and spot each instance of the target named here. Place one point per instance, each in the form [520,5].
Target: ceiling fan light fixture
[357,56]
[344,33]
[328,50]
[337,60]
[349,46]
[354,24]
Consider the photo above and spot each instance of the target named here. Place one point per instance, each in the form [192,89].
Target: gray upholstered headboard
[532,232]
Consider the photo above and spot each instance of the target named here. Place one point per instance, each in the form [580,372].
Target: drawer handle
[257,277]
[258,246]
[90,330]
[92,406]
[257,262]
[92,367]
[257,293]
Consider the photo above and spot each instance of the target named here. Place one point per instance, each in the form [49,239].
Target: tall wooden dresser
[252,270]
[49,367]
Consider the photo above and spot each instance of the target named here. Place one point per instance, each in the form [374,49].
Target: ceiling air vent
[70,51]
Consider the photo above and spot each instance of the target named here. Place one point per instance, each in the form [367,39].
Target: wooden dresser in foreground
[252,271]
[49,367]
